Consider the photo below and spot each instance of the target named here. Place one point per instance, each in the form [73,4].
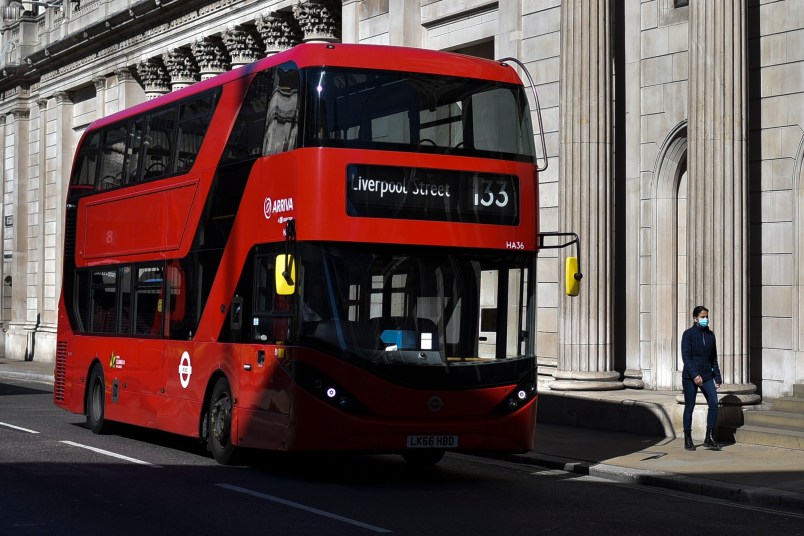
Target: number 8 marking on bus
[489,197]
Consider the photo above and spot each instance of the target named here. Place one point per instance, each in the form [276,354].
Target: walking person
[701,371]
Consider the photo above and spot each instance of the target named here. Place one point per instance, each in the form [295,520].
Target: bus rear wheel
[220,423]
[96,400]
[423,458]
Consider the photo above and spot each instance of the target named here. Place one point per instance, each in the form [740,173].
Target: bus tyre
[423,458]
[96,400]
[220,423]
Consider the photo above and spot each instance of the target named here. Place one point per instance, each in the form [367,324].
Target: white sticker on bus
[185,370]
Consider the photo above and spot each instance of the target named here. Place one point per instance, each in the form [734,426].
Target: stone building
[675,138]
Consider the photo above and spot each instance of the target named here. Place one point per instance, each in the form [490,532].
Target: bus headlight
[517,398]
[325,388]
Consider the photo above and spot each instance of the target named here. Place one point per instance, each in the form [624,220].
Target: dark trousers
[690,391]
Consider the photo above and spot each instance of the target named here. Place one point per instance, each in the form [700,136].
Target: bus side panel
[264,406]
[135,222]
[131,375]
[187,375]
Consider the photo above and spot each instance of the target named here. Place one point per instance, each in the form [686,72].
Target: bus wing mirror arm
[290,236]
[573,273]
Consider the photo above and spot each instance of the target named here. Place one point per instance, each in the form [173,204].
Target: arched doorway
[669,260]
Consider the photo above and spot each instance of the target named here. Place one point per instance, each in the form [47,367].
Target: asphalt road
[57,478]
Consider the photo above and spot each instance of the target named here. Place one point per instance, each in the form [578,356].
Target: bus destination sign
[431,194]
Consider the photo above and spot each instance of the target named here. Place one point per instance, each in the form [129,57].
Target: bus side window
[282,116]
[148,305]
[245,142]
[86,167]
[194,119]
[104,301]
[158,144]
[133,152]
[83,290]
[112,157]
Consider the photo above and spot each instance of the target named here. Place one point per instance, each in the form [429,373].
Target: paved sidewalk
[26,370]
[767,476]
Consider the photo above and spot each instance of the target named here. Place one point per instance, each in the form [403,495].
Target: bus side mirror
[572,278]
[285,274]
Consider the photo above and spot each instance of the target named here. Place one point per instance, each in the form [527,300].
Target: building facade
[675,142]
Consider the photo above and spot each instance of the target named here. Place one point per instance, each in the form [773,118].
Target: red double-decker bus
[330,249]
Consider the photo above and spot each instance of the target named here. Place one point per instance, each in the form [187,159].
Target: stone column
[717,216]
[129,92]
[406,23]
[350,21]
[585,322]
[5,289]
[100,95]
[65,149]
[181,67]
[319,20]
[279,31]
[18,340]
[242,47]
[154,76]
[211,56]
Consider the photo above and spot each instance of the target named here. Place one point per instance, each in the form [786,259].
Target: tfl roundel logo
[266,208]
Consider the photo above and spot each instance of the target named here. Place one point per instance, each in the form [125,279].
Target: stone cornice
[100,41]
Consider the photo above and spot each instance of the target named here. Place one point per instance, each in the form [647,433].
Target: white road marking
[109,453]
[18,428]
[310,509]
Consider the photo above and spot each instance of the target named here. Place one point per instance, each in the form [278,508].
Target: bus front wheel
[220,423]
[96,400]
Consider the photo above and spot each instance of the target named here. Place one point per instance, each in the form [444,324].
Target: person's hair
[698,310]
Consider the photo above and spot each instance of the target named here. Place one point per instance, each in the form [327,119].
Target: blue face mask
[703,322]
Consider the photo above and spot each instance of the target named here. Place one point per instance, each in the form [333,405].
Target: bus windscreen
[399,111]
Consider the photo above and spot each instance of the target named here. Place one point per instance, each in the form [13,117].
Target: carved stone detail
[181,67]
[211,56]
[279,31]
[124,74]
[154,76]
[242,46]
[319,20]
[62,97]
[100,83]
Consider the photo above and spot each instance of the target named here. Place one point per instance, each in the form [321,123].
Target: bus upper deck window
[86,167]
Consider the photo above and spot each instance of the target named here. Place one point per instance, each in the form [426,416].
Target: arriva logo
[270,207]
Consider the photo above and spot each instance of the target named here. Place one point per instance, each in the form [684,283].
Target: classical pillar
[5,289]
[585,358]
[319,20]
[242,47]
[211,56]
[181,67]
[129,92]
[406,23]
[279,31]
[100,95]
[63,160]
[154,76]
[17,341]
[717,216]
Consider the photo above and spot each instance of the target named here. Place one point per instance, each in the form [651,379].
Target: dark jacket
[699,352]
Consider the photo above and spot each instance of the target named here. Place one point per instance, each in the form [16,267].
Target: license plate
[432,441]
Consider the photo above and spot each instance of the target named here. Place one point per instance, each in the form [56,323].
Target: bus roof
[341,55]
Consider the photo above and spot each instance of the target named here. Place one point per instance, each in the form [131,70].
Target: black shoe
[710,442]
[688,444]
